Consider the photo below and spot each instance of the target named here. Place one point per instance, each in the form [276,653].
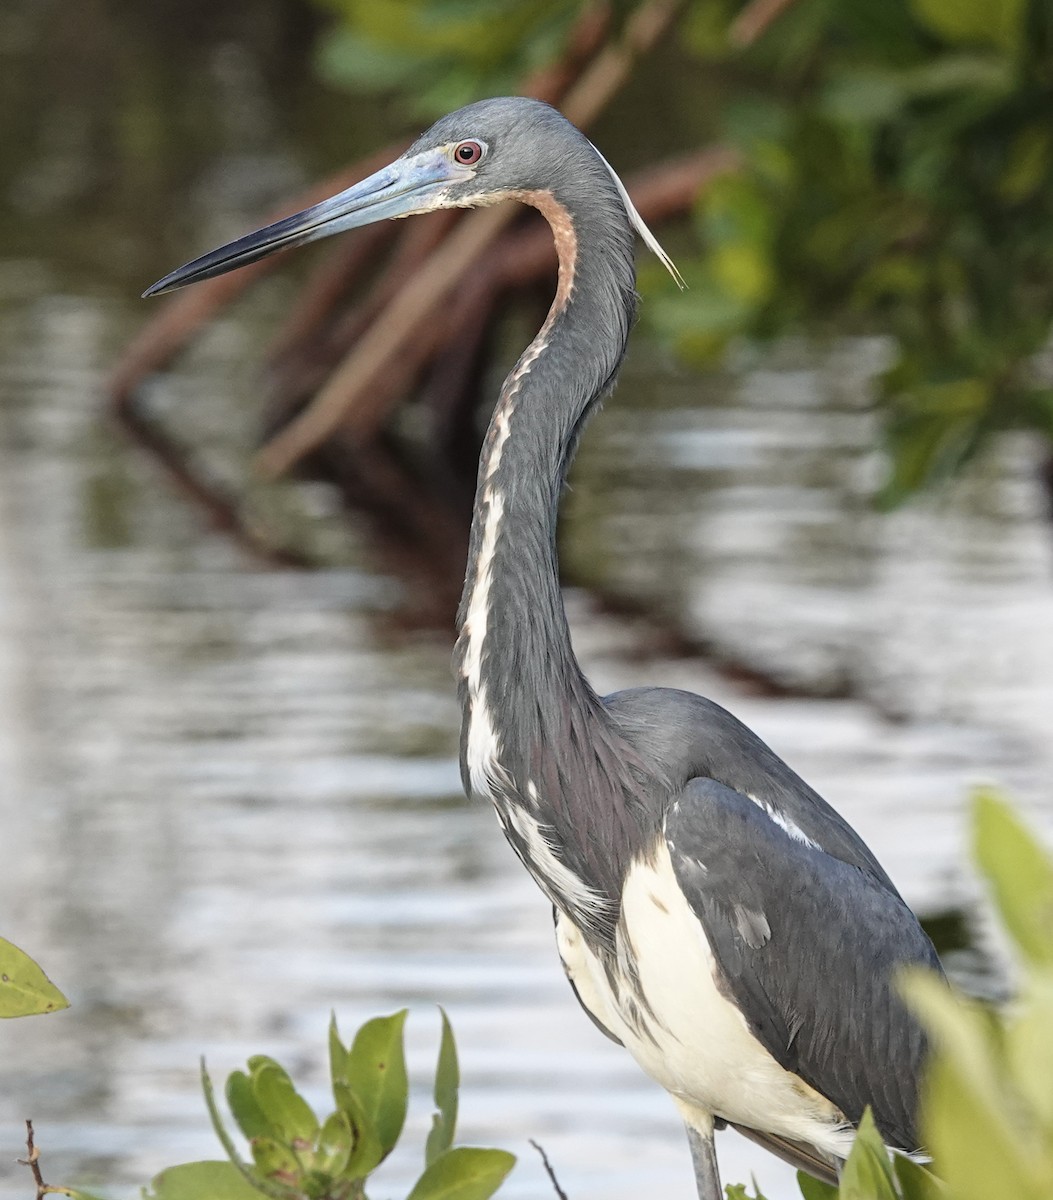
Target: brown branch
[609,71]
[181,318]
[355,382]
[520,257]
[548,1168]
[337,275]
[586,39]
[299,370]
[329,284]
[222,506]
[755,20]
[164,337]
[33,1163]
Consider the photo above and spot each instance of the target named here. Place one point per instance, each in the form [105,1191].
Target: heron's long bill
[407,186]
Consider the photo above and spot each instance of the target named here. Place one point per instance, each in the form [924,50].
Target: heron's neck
[520,681]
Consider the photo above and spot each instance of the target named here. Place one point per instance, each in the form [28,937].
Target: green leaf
[815,1189]
[915,1182]
[737,1191]
[865,94]
[317,1185]
[286,1110]
[201,1181]
[236,1161]
[217,1120]
[447,1082]
[24,988]
[867,1173]
[1020,875]
[367,1151]
[960,1029]
[980,1154]
[334,1146]
[1029,1049]
[991,22]
[376,1071]
[1027,164]
[243,1104]
[337,1053]
[464,1173]
[276,1161]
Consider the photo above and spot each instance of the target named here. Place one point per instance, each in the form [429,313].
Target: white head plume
[640,226]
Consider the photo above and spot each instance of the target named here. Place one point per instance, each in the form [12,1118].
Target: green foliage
[988,1111]
[24,988]
[440,54]
[191,1181]
[897,173]
[444,1120]
[295,1156]
[1020,876]
[896,176]
[737,1191]
[463,1173]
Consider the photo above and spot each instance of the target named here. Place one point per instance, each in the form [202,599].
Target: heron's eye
[467,153]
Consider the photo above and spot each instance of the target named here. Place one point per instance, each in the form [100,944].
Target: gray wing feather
[808,946]
[797,1154]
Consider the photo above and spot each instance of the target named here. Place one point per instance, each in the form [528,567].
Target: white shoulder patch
[638,223]
[785,823]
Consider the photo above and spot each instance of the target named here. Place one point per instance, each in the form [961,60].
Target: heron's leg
[704,1156]
[699,1126]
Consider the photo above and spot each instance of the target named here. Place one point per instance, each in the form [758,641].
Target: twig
[33,1163]
[548,1167]
[223,507]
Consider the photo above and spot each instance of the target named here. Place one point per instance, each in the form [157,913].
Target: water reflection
[232,800]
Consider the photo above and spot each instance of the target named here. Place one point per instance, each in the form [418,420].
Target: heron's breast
[660,995]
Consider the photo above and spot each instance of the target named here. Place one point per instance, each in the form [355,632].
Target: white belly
[688,1037]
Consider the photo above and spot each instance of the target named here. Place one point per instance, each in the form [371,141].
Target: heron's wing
[808,946]
[687,736]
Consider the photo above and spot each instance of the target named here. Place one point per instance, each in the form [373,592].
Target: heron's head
[475,156]
[471,157]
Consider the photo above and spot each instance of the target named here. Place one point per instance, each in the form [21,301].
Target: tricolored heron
[714,915]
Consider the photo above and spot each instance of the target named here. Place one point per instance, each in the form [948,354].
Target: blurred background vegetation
[893,173]
[890,167]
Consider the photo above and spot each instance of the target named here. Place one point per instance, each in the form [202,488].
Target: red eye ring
[467,153]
